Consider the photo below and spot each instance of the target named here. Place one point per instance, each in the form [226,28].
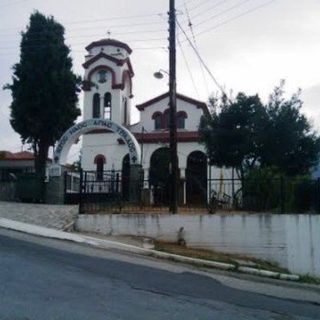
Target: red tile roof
[17,156]
[23,155]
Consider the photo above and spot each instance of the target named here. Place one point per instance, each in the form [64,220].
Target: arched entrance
[99,188]
[70,136]
[196,177]
[159,176]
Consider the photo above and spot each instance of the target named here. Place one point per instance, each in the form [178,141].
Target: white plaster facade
[114,57]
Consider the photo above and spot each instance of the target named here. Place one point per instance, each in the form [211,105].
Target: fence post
[282,195]
[80,192]
[65,181]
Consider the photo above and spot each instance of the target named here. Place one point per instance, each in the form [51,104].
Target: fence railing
[110,192]
[279,195]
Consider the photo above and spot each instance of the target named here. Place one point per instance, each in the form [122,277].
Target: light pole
[173,110]
[173,206]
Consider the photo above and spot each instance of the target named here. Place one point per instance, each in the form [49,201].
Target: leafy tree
[44,89]
[290,144]
[245,135]
[233,136]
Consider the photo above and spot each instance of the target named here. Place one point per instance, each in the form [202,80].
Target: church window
[107,106]
[102,76]
[157,117]
[96,106]
[181,119]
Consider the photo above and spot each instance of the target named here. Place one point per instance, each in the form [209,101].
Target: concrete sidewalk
[51,216]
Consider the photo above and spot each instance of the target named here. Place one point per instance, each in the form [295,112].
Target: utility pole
[173,110]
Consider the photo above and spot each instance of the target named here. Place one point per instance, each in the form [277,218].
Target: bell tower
[107,82]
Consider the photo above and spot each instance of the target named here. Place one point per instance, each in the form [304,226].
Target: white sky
[248,47]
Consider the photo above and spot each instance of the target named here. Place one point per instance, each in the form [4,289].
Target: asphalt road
[46,281]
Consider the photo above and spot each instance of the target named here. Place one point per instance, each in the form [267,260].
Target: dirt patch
[236,259]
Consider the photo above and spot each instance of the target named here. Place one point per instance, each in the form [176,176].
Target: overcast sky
[249,45]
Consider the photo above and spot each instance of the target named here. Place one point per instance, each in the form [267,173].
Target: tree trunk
[41,159]
[40,166]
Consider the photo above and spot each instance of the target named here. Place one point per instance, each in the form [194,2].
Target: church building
[108,93]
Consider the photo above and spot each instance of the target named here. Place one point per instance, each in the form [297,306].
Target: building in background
[15,164]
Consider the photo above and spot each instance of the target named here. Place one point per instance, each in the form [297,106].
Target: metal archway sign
[72,134]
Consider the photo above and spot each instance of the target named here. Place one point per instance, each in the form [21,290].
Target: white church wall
[106,145]
[191,123]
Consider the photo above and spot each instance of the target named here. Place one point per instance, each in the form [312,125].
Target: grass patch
[309,279]
[212,255]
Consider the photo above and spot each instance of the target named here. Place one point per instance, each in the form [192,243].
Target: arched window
[96,106]
[107,105]
[99,161]
[181,117]
[157,117]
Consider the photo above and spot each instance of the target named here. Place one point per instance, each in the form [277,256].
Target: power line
[199,5]
[12,3]
[223,12]
[90,28]
[78,44]
[34,39]
[216,5]
[196,45]
[106,27]
[98,20]
[83,51]
[188,68]
[234,18]
[200,58]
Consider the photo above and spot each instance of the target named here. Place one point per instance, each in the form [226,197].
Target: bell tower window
[102,76]
[96,106]
[107,106]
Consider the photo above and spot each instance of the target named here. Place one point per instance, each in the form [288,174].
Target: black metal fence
[277,195]
[110,192]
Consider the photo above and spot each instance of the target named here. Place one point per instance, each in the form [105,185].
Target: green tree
[232,134]
[290,144]
[245,135]
[44,88]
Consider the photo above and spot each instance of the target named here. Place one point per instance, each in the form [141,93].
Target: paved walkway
[50,216]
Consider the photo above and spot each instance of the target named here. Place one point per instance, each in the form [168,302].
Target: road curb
[107,244]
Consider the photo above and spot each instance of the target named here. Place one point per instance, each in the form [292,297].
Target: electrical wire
[188,68]
[12,3]
[77,44]
[196,45]
[216,5]
[202,61]
[235,18]
[223,12]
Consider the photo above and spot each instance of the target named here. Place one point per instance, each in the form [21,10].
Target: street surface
[43,279]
